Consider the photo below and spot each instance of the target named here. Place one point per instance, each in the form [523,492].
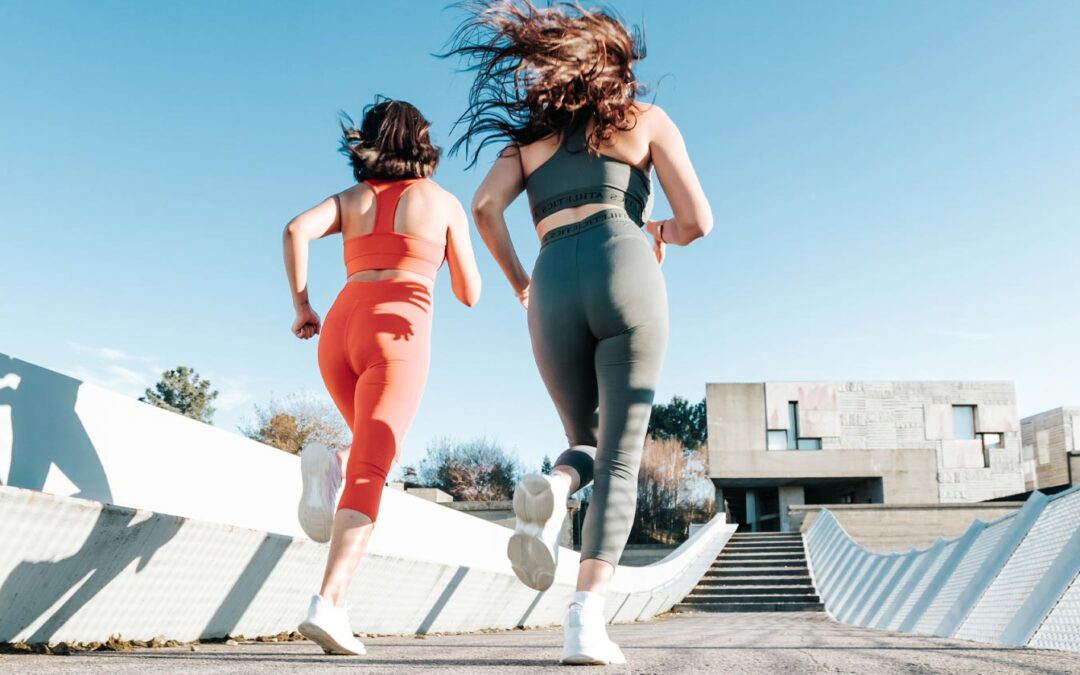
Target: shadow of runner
[46,430]
[444,597]
[247,586]
[113,544]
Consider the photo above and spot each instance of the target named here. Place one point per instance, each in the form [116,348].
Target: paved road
[732,643]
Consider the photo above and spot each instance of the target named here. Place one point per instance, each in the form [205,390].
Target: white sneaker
[328,627]
[585,638]
[320,471]
[540,507]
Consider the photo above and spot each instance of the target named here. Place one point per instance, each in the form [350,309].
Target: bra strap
[387,196]
[577,135]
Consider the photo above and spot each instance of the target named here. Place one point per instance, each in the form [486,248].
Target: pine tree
[680,420]
[545,465]
[182,391]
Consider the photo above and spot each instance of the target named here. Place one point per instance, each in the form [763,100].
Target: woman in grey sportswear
[557,84]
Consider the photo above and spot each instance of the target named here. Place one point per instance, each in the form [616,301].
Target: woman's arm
[693,217]
[319,221]
[464,276]
[504,182]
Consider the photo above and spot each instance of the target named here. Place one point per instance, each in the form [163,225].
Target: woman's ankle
[333,596]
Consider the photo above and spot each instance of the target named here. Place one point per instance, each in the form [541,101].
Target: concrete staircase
[756,572]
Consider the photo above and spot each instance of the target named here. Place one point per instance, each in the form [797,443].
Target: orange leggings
[374,349]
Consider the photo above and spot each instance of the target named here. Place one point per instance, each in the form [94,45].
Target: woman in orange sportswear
[397,227]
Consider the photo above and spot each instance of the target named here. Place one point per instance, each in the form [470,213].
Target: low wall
[890,528]
[75,570]
[502,513]
[1015,580]
[637,555]
[197,536]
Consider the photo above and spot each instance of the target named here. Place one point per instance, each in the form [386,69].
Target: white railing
[186,531]
[1013,581]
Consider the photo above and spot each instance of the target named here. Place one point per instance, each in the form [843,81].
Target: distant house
[776,444]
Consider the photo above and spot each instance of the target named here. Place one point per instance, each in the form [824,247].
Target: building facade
[775,444]
[1051,448]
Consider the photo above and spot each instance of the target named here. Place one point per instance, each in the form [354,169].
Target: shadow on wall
[33,588]
[46,430]
[239,598]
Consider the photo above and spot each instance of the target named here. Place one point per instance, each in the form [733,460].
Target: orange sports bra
[385,249]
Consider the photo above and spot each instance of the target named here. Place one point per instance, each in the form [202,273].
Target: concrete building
[777,444]
[1051,448]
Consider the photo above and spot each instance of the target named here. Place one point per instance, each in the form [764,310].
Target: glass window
[990,442]
[792,425]
[777,439]
[788,439]
[963,422]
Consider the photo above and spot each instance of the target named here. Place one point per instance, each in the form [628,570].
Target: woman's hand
[523,295]
[307,322]
[655,228]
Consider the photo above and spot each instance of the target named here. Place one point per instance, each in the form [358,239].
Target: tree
[681,421]
[182,391]
[674,490]
[545,465]
[291,423]
[475,470]
[407,474]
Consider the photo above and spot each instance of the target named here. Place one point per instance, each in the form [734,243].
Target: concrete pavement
[687,643]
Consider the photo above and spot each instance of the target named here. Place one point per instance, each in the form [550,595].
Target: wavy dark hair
[543,70]
[392,142]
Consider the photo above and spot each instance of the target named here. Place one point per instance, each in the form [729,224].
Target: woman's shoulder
[651,116]
[431,189]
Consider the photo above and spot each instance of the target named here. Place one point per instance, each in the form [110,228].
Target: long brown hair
[392,142]
[542,71]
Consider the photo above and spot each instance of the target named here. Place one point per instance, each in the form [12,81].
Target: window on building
[789,439]
[963,422]
[990,441]
[793,425]
[777,439]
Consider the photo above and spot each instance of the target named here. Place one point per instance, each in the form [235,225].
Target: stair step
[778,580]
[785,564]
[765,555]
[771,589]
[695,599]
[767,535]
[774,607]
[801,573]
[763,545]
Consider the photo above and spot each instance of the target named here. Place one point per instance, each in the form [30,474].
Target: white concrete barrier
[1013,581]
[158,525]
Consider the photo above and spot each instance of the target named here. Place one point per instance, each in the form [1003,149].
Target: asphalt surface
[695,643]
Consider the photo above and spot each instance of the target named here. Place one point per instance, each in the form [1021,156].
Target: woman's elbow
[469,295]
[698,227]
[484,210]
[293,230]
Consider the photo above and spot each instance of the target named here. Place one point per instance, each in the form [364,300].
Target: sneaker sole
[586,660]
[530,557]
[316,517]
[326,641]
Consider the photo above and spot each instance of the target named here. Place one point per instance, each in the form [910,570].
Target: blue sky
[895,188]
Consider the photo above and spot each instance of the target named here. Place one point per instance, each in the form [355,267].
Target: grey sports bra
[573,177]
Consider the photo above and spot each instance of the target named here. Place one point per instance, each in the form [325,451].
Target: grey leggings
[598,321]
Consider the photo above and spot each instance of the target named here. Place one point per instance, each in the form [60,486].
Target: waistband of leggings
[607,216]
